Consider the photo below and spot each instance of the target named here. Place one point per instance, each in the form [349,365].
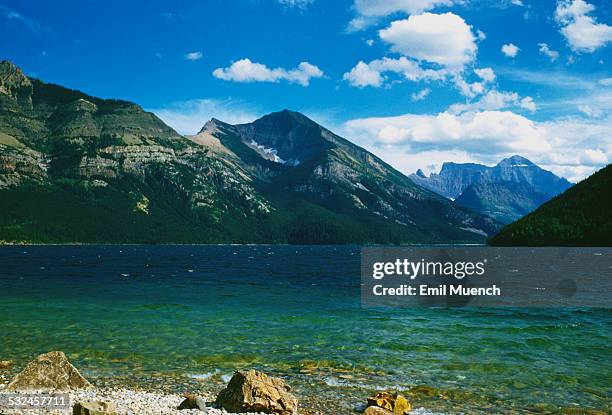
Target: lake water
[176,317]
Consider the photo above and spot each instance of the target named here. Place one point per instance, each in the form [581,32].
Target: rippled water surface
[197,313]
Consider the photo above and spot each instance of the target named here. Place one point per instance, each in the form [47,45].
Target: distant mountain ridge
[506,191]
[76,168]
[580,216]
[454,178]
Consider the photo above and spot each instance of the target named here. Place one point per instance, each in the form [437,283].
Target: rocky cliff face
[506,191]
[108,171]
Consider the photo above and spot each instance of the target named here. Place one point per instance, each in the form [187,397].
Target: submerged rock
[192,402]
[49,372]
[94,408]
[5,364]
[393,403]
[255,391]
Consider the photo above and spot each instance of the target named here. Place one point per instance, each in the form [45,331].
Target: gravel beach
[128,402]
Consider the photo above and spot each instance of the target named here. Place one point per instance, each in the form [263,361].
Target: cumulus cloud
[496,100]
[245,70]
[188,117]
[545,50]
[510,50]
[414,141]
[582,32]
[473,131]
[421,95]
[369,11]
[486,74]
[468,89]
[444,39]
[193,56]
[373,73]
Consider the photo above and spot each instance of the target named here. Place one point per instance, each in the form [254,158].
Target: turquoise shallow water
[142,311]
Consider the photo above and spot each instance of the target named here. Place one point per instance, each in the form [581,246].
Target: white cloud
[573,148]
[369,11]
[372,73]
[188,117]
[421,95]
[510,50]
[193,56]
[496,100]
[486,74]
[444,39]
[545,50]
[467,89]
[300,4]
[517,2]
[481,35]
[369,42]
[363,75]
[590,111]
[499,129]
[246,71]
[606,81]
[593,157]
[582,32]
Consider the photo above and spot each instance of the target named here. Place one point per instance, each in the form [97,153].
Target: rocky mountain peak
[420,173]
[292,136]
[14,83]
[11,75]
[213,125]
[515,161]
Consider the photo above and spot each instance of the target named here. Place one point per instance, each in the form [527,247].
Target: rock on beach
[49,372]
[254,391]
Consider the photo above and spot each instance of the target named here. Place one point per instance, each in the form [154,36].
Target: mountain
[76,168]
[452,180]
[578,217]
[506,191]
[505,201]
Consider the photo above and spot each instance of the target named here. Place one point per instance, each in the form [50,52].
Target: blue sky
[417,82]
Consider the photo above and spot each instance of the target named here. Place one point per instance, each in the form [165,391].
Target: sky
[417,82]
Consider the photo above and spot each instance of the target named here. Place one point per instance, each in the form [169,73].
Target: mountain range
[507,191]
[580,216]
[76,168]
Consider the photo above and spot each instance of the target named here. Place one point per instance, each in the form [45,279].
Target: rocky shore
[250,391]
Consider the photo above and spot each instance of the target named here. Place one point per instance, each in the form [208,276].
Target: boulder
[192,402]
[391,402]
[5,364]
[375,410]
[94,408]
[255,391]
[49,372]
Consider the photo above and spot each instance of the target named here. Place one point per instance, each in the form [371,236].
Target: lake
[185,317]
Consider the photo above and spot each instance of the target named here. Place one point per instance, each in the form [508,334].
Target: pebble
[128,402]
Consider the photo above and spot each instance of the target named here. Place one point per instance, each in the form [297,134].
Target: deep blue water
[295,311]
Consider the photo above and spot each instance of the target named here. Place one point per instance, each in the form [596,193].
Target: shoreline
[163,394]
